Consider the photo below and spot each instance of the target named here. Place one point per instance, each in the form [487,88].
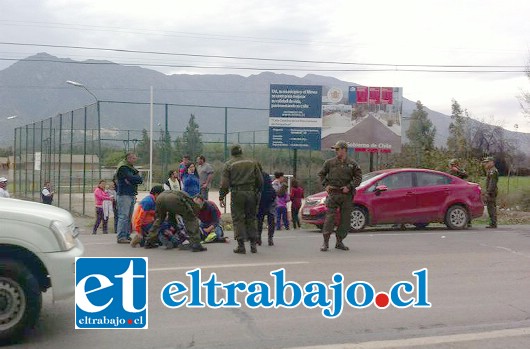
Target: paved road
[478,284]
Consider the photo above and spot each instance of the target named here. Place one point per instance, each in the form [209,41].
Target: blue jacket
[128,179]
[191,184]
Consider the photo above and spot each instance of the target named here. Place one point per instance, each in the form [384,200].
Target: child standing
[99,196]
[297,194]
[282,198]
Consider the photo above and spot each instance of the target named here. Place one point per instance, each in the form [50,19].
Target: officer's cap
[340,144]
[488,159]
[236,150]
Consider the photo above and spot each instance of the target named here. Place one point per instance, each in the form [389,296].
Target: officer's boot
[339,245]
[253,248]
[271,241]
[240,247]
[258,240]
[325,245]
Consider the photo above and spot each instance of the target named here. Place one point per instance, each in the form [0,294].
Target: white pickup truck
[38,247]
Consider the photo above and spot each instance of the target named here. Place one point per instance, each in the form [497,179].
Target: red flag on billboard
[362,94]
[387,95]
[374,95]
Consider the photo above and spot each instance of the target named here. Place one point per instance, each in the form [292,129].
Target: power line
[309,69]
[393,66]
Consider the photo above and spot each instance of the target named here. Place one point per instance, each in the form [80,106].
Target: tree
[191,141]
[457,142]
[142,149]
[421,132]
[524,98]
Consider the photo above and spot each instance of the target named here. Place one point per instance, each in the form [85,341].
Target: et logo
[111,293]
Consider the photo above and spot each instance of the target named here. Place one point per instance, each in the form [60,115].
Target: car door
[432,191]
[395,203]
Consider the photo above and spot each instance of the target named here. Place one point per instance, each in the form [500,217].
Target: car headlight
[322,201]
[64,234]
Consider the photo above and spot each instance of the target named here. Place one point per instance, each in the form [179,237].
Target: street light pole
[78,84]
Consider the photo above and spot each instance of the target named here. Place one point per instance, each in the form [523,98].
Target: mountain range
[35,88]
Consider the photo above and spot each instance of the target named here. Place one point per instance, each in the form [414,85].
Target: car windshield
[369,176]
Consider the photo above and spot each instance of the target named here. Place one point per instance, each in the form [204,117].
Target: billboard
[295,116]
[315,117]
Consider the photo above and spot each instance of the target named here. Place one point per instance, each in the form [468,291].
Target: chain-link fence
[74,150]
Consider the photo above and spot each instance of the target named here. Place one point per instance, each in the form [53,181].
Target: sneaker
[135,241]
[211,237]
[122,241]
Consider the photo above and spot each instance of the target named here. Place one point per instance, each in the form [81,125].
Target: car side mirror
[381,188]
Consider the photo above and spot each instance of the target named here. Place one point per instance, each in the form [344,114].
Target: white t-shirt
[4,193]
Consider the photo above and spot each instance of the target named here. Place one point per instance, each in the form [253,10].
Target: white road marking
[424,341]
[239,265]
[507,250]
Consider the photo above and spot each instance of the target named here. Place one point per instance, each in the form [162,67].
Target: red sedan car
[401,196]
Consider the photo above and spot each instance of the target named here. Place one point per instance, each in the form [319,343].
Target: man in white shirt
[173,182]
[3,188]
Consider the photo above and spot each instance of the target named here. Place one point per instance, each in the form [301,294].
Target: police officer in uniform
[170,203]
[243,178]
[455,170]
[339,176]
[492,177]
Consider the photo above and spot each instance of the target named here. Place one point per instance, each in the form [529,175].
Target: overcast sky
[418,35]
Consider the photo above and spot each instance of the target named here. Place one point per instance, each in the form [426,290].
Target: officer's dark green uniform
[169,204]
[455,170]
[335,174]
[492,177]
[243,178]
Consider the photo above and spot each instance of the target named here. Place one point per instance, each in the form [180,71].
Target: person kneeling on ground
[144,216]
[170,204]
[210,217]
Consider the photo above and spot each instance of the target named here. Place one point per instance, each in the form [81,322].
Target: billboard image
[368,118]
[316,117]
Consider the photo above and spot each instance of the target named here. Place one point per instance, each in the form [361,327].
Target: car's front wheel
[359,219]
[456,217]
[20,300]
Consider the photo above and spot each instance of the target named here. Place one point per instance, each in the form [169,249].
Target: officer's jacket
[338,173]
[491,181]
[240,173]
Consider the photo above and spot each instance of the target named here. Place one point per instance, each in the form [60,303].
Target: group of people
[179,210]
[177,213]
[491,188]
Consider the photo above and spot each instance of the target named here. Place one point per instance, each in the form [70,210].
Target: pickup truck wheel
[20,301]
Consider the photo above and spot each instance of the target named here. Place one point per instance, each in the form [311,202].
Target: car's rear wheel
[456,217]
[359,218]
[320,226]
[20,301]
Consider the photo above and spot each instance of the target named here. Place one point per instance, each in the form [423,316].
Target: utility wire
[263,59]
[309,69]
